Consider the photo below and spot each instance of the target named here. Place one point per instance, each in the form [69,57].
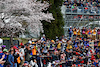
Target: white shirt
[22,53]
[33,64]
[99,64]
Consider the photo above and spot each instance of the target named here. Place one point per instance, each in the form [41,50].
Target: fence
[83,10]
[8,44]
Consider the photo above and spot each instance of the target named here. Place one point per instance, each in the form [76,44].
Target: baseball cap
[3,46]
[70,26]
[15,47]
[25,64]
[5,50]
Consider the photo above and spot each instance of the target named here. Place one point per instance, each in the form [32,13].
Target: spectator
[11,58]
[70,31]
[74,33]
[21,54]
[3,47]
[94,34]
[98,33]
[1,61]
[27,53]
[78,32]
[16,55]
[81,51]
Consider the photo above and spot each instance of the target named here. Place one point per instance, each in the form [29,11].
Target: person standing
[89,32]
[16,55]
[43,38]
[38,60]
[70,31]
[74,33]
[98,32]
[78,32]
[2,62]
[21,54]
[5,58]
[94,34]
[34,51]
[27,53]
[83,32]
[11,58]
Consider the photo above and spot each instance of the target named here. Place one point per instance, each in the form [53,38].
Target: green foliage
[55,28]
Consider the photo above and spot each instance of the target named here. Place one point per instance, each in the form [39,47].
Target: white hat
[30,42]
[43,35]
[70,26]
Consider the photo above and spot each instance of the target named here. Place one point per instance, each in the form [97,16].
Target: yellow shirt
[69,47]
[59,46]
[78,32]
[74,32]
[86,32]
[94,32]
[99,44]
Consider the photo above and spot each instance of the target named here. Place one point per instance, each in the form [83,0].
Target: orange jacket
[34,51]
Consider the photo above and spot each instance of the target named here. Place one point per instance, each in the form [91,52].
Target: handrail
[82,10]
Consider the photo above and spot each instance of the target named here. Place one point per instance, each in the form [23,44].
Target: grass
[24,40]
[21,39]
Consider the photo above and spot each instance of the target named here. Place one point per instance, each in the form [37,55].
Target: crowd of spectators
[80,49]
[89,6]
[84,32]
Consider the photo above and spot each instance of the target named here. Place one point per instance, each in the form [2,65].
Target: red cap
[25,64]
[15,47]
[21,44]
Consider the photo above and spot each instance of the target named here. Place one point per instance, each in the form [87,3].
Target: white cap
[30,42]
[43,35]
[53,62]
[70,26]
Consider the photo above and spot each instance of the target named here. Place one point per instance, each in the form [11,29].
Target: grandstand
[81,13]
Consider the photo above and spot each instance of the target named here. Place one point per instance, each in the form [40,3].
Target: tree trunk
[11,40]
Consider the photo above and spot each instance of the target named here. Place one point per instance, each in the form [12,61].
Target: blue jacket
[4,57]
[11,59]
[70,31]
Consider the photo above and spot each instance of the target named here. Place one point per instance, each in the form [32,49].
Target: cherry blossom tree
[19,15]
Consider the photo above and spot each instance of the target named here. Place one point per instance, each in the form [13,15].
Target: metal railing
[83,10]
